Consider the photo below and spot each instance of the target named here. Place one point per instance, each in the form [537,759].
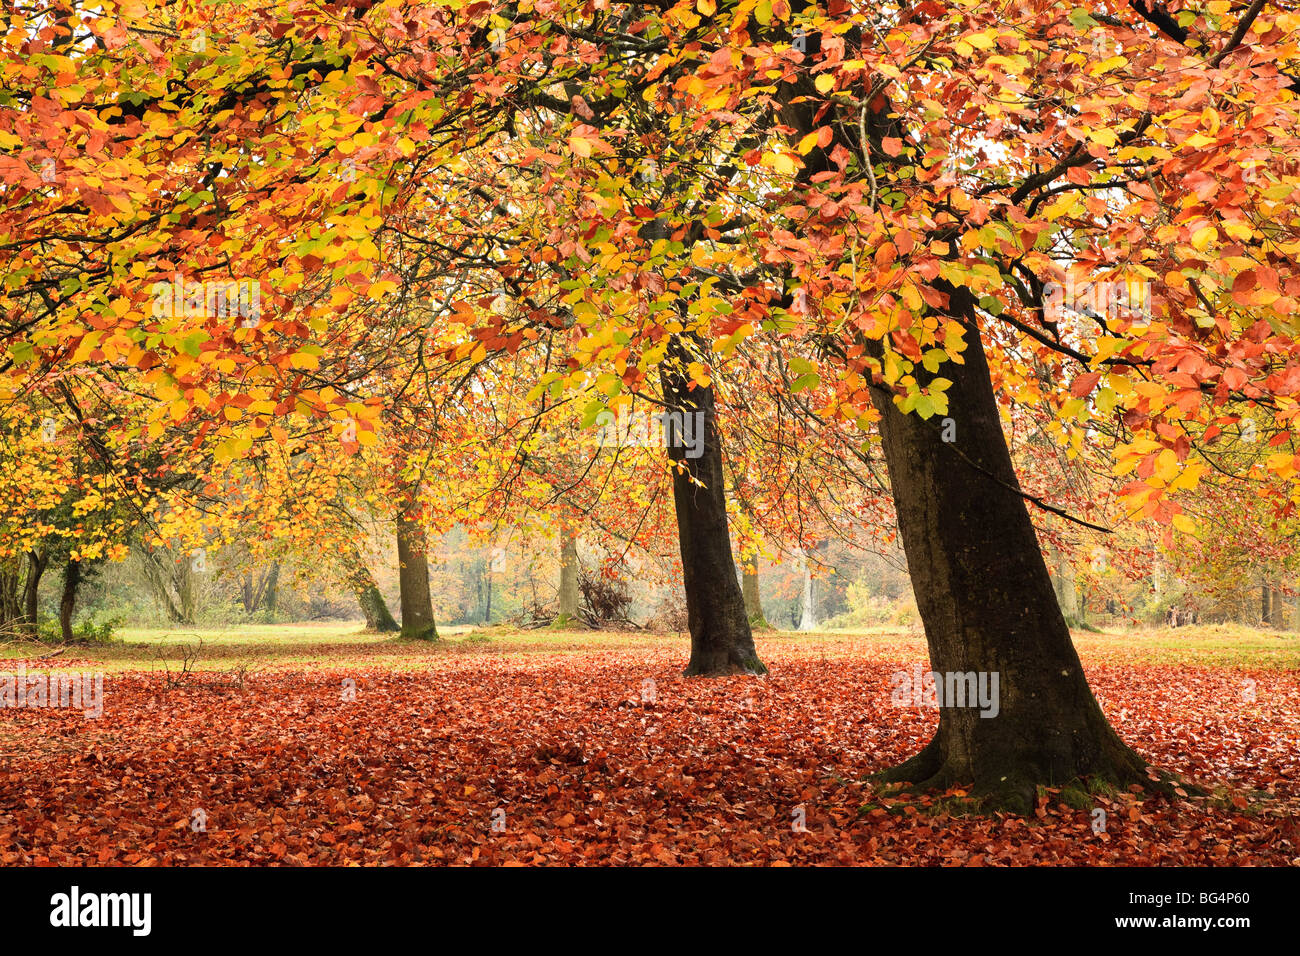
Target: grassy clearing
[297,645]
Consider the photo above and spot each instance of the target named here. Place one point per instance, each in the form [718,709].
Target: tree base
[725,665]
[429,633]
[1013,785]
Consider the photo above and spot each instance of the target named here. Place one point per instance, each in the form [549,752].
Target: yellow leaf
[1203,237]
[784,163]
[303,360]
[825,83]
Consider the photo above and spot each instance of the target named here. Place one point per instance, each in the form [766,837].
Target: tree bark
[568,579]
[749,589]
[721,639]
[171,581]
[10,601]
[980,581]
[378,618]
[1067,591]
[413,577]
[271,588]
[988,605]
[807,610]
[36,562]
[68,601]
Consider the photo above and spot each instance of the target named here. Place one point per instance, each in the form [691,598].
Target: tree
[569,569]
[413,576]
[721,639]
[371,600]
[900,191]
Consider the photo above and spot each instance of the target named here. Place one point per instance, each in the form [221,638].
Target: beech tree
[909,194]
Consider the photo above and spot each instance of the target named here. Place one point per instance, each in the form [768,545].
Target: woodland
[667,432]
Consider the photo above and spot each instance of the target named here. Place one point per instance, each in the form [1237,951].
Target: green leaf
[811,380]
[1082,20]
[591,411]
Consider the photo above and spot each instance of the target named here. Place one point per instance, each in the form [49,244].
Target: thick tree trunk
[1266,605]
[413,577]
[988,606]
[980,581]
[68,600]
[750,591]
[568,579]
[721,640]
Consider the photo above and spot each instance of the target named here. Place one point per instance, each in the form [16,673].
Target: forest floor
[317,744]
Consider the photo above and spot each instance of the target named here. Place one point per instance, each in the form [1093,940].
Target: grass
[295,645]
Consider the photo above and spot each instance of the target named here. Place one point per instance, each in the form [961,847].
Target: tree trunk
[263,593]
[750,590]
[988,605]
[68,601]
[379,619]
[36,562]
[369,597]
[162,580]
[183,576]
[1265,606]
[721,640]
[413,577]
[271,588]
[568,579]
[1067,591]
[11,605]
[980,581]
[807,611]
